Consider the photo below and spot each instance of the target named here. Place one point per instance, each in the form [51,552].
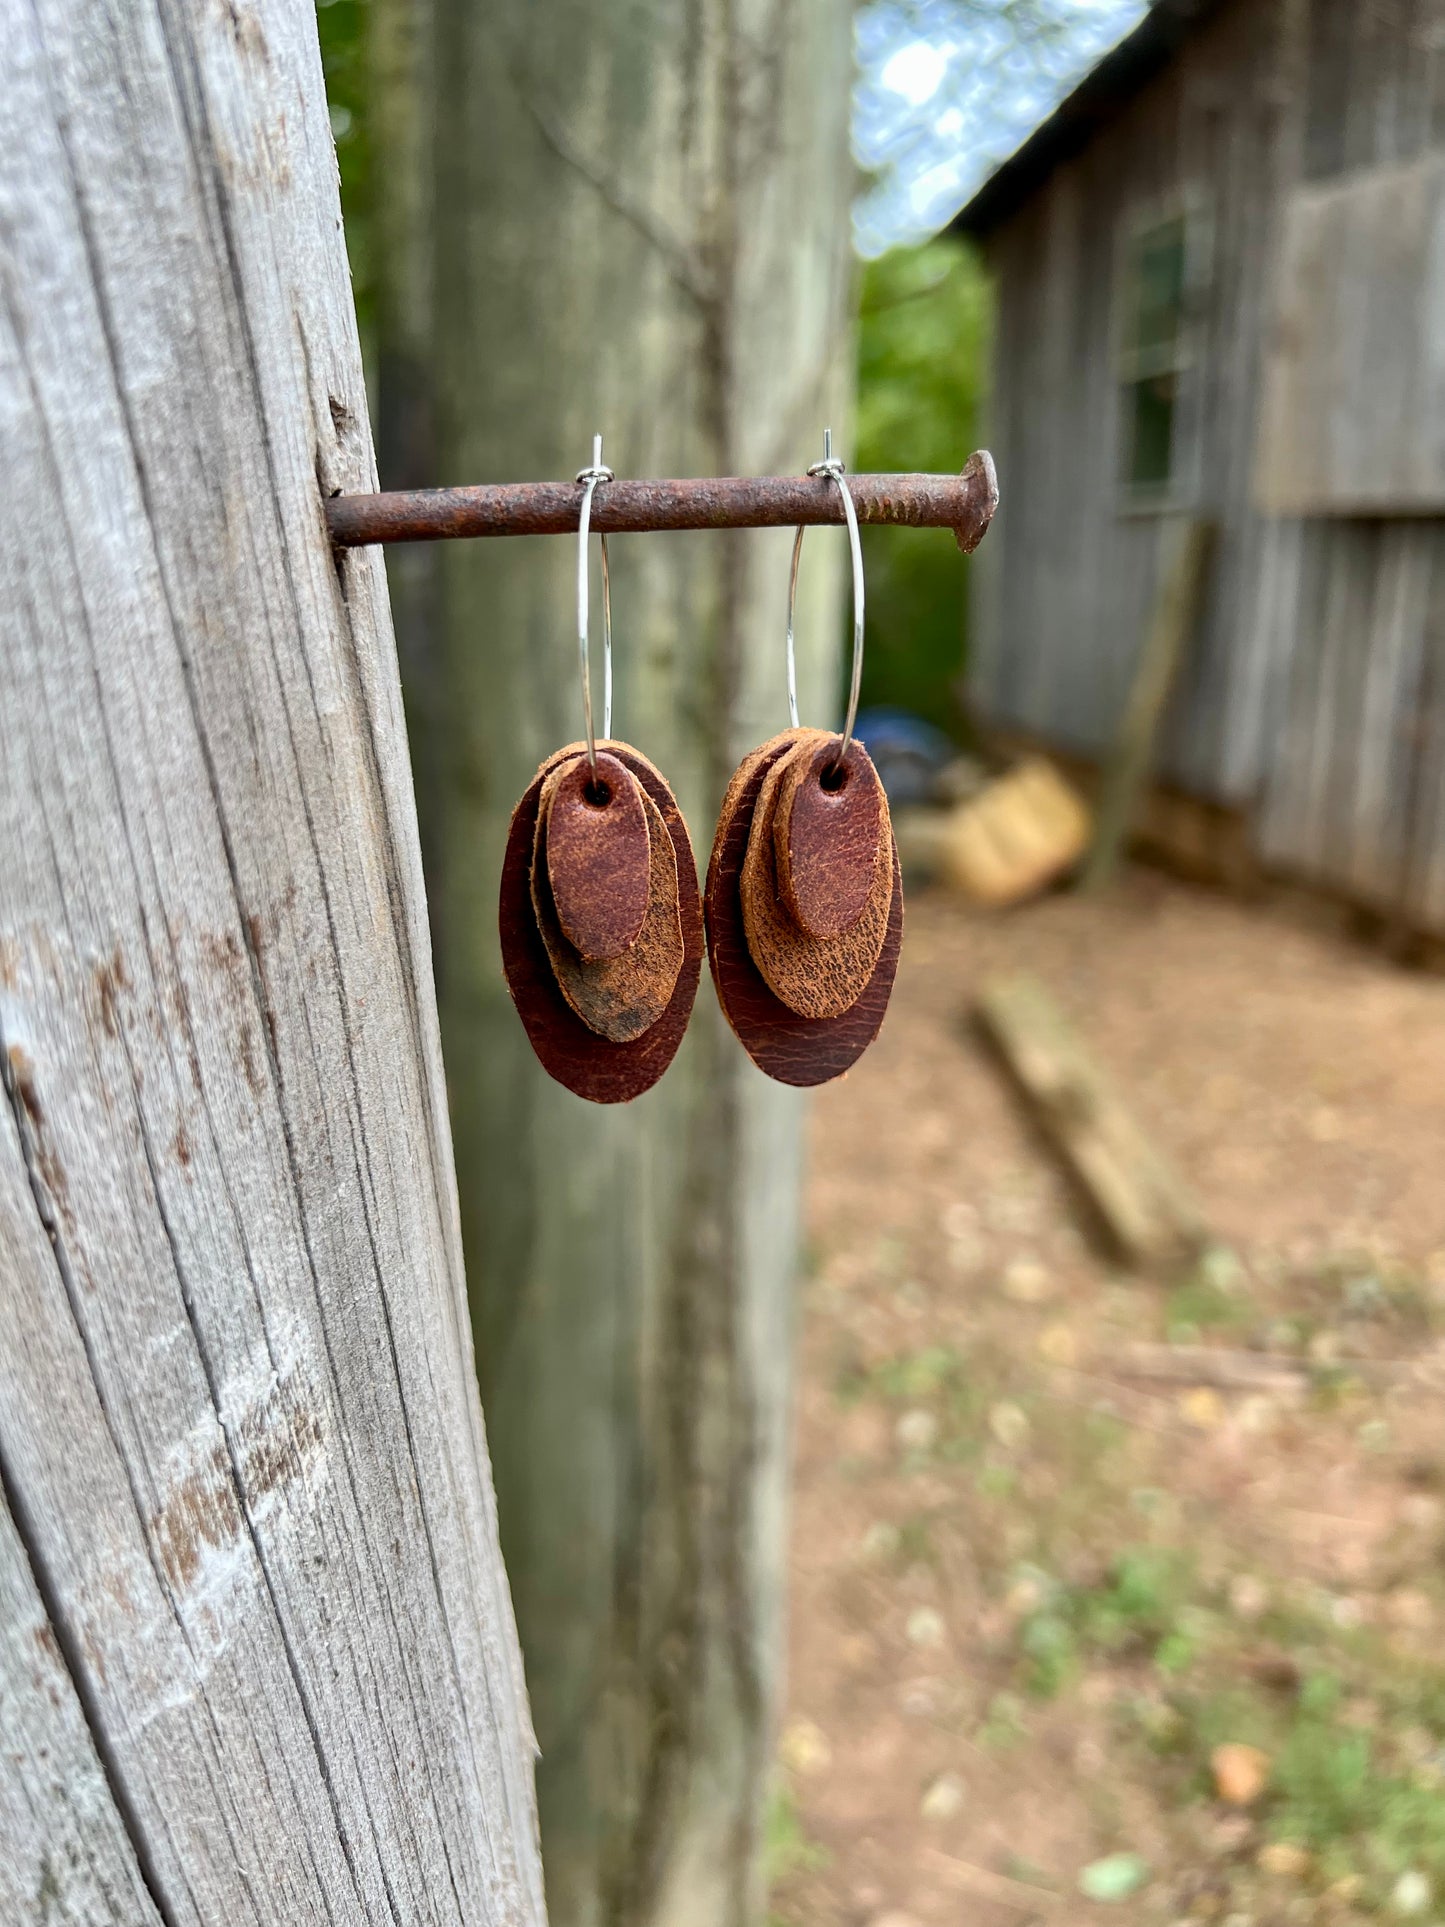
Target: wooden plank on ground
[1234,1371]
[1143,1203]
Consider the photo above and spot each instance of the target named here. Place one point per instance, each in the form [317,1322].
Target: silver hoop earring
[835,472]
[599,914]
[804,898]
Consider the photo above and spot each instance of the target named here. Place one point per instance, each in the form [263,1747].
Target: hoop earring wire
[589,478]
[835,471]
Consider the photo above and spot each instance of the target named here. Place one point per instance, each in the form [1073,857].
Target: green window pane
[1157,290]
[1150,407]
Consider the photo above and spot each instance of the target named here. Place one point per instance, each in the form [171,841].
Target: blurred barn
[1220,277]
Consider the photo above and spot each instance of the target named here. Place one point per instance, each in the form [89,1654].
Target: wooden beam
[1140,1200]
[1126,772]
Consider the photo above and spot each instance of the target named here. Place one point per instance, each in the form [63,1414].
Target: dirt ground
[1033,1594]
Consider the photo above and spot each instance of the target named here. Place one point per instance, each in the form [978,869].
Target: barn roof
[1099,96]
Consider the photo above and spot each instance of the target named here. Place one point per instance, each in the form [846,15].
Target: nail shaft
[964,503]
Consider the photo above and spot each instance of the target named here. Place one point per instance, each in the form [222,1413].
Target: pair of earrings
[602,924]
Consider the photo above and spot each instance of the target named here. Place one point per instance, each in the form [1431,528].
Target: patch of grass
[937,1376]
[909,1378]
[1005,1725]
[1352,1797]
[915,1542]
[787,1849]
[1361,1289]
[1139,1611]
[1139,1604]
[1356,1751]
[1050,1646]
[914,1376]
[1200,1304]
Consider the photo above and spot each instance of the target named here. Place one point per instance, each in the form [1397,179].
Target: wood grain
[598,855]
[588,1064]
[240,1438]
[67,1856]
[792,1049]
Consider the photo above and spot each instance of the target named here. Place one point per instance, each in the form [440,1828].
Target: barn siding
[1315,690]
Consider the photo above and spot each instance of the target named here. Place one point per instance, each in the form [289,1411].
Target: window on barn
[1154,345]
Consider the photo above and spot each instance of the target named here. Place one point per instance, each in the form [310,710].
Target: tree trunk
[641,227]
[257,1660]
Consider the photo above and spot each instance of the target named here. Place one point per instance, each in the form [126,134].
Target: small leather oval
[817,977]
[827,839]
[618,997]
[597,857]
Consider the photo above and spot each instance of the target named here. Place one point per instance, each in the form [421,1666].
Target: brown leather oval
[618,997]
[829,824]
[595,1069]
[814,976]
[794,1050]
[597,856]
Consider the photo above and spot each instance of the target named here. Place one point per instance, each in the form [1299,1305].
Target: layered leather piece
[828,831]
[813,975]
[751,924]
[619,996]
[597,855]
[605,1026]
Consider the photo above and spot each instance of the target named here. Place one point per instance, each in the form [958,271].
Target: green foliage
[787,1848]
[1052,1652]
[1138,1611]
[1350,1796]
[1139,1604]
[1114,1879]
[1199,1305]
[921,356]
[342,28]
[1363,1792]
[918,1375]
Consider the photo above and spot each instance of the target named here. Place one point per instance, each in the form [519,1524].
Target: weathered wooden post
[640,225]
[257,1661]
